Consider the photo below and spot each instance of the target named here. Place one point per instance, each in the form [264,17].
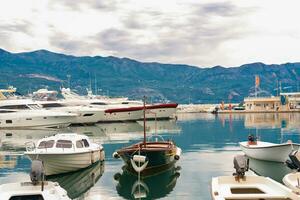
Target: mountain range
[114,76]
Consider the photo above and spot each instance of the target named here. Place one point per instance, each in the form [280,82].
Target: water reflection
[154,185]
[15,139]
[274,170]
[78,183]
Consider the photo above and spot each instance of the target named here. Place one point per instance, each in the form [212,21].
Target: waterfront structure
[283,102]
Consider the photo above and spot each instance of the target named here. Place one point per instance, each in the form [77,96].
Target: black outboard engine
[37,172]
[241,165]
[294,163]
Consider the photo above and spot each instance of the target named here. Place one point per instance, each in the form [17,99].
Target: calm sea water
[208,142]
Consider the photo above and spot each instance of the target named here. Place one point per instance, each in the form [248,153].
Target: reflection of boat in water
[161,126]
[274,170]
[153,186]
[15,139]
[78,183]
[8,161]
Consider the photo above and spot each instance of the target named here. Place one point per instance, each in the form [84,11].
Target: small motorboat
[36,189]
[149,155]
[267,150]
[63,153]
[292,180]
[239,186]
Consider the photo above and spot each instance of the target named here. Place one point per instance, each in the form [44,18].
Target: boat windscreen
[46,144]
[64,144]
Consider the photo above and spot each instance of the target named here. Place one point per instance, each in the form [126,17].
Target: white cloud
[203,33]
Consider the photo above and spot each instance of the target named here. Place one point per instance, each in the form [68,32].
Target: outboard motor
[241,165]
[252,140]
[294,163]
[37,172]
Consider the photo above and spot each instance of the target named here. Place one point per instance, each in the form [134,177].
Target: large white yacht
[27,113]
[154,111]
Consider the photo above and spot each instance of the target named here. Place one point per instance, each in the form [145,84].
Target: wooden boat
[241,186]
[146,155]
[267,150]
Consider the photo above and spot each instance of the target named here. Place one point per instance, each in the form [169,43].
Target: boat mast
[144,109]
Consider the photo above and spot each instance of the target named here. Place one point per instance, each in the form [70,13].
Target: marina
[146,100]
[205,154]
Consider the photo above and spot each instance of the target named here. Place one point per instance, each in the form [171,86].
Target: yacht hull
[122,114]
[47,122]
[161,111]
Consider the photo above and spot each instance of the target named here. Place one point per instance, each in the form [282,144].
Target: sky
[202,33]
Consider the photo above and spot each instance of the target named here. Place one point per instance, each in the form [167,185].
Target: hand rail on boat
[30,146]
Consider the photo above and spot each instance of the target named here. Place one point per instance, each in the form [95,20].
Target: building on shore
[282,103]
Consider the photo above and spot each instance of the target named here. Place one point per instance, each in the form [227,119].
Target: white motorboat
[267,150]
[292,180]
[37,189]
[63,153]
[252,187]
[34,118]
[26,190]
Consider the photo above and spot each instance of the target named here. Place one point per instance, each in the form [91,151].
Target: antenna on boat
[144,109]
[69,80]
[95,85]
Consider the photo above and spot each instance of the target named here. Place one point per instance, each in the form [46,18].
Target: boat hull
[122,115]
[268,151]
[63,163]
[157,157]
[47,122]
[291,180]
[161,111]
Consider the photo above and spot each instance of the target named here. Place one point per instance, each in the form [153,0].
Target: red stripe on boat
[155,106]
[113,110]
[166,105]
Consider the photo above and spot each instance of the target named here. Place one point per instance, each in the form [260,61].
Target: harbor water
[208,144]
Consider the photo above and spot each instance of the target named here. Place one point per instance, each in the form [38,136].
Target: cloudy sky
[204,33]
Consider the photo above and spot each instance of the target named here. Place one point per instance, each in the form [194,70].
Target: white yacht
[35,118]
[65,153]
[154,111]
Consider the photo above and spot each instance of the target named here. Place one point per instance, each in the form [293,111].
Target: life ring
[139,159]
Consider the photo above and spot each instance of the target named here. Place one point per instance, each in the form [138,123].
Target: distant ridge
[127,77]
